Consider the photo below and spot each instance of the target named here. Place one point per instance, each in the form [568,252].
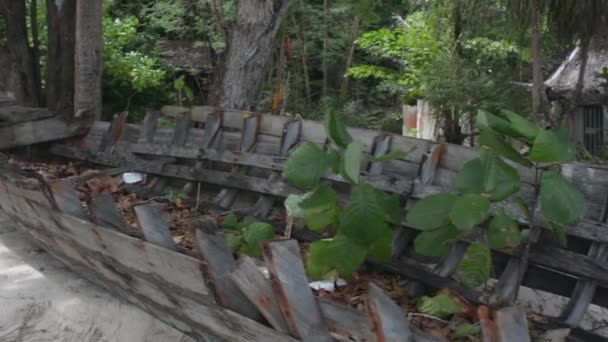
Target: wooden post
[89,41]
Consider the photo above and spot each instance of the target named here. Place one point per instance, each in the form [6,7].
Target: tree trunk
[578,90]
[349,58]
[539,97]
[36,48]
[89,43]
[61,23]
[27,90]
[249,52]
[325,42]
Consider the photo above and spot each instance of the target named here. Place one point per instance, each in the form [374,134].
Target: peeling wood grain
[387,320]
[214,250]
[254,285]
[288,277]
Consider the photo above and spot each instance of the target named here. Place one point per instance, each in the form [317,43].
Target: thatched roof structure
[563,81]
[186,54]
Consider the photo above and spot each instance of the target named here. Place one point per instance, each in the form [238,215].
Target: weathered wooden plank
[387,320]
[169,285]
[114,133]
[104,213]
[149,126]
[291,135]
[68,199]
[248,139]
[14,114]
[153,226]
[254,285]
[40,131]
[143,166]
[214,250]
[300,309]
[512,325]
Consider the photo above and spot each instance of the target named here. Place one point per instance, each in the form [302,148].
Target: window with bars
[593,129]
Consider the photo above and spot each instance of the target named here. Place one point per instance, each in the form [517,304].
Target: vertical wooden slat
[114,133]
[382,145]
[180,133]
[585,288]
[387,320]
[252,283]
[153,226]
[104,212]
[213,128]
[68,199]
[290,137]
[149,126]
[512,325]
[214,250]
[248,139]
[298,304]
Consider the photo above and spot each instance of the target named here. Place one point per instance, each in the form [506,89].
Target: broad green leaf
[320,208]
[441,306]
[437,242]
[254,234]
[235,240]
[469,177]
[352,162]
[392,206]
[230,222]
[560,201]
[293,206]
[336,254]
[559,231]
[336,130]
[334,159]
[498,144]
[500,180]
[305,166]
[475,267]
[490,121]
[390,156]
[431,212]
[381,249]
[469,210]
[521,127]
[247,221]
[466,330]
[550,147]
[363,220]
[504,231]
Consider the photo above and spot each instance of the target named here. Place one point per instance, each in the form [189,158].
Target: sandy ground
[40,300]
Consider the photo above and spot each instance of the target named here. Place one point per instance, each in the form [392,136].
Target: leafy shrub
[362,227]
[489,181]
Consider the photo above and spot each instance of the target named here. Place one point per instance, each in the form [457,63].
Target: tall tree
[89,42]
[249,51]
[23,58]
[531,12]
[61,21]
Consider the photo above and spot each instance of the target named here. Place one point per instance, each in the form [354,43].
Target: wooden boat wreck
[232,160]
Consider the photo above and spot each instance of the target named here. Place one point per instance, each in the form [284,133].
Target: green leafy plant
[361,226]
[441,305]
[246,236]
[492,181]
